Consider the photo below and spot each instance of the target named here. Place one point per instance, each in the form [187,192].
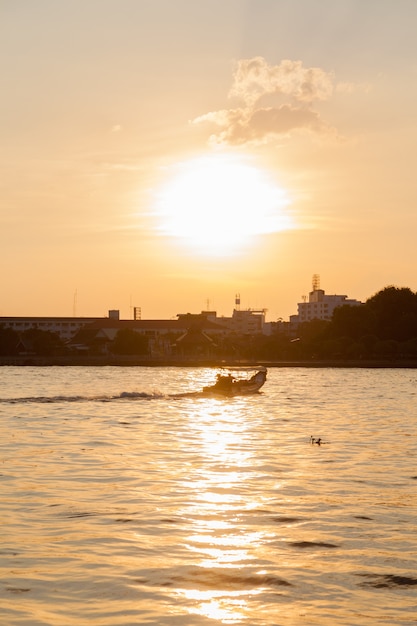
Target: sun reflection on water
[222,545]
[230,611]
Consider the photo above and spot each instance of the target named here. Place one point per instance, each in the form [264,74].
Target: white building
[65,327]
[319,305]
[248,322]
[243,322]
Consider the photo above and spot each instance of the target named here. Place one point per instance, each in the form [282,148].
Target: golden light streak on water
[220,544]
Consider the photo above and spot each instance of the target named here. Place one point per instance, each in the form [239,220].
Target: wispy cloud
[272,100]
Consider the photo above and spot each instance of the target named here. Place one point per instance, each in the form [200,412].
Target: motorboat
[238,382]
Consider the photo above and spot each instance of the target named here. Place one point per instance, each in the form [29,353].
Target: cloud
[239,126]
[254,78]
[274,100]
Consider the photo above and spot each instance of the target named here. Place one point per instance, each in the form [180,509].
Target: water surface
[126,502]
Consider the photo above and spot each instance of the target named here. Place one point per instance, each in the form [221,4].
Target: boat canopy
[244,368]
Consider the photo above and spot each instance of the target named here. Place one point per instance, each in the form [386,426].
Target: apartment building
[65,327]
[320,305]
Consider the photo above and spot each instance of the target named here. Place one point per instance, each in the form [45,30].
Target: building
[248,321]
[165,337]
[65,327]
[319,305]
[242,322]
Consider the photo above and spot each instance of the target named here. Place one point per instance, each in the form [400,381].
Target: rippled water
[124,502]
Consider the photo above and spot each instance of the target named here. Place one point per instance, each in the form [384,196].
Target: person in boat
[224,382]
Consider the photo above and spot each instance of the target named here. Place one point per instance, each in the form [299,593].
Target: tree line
[384,327]
[37,342]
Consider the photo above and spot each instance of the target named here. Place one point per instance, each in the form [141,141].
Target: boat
[230,382]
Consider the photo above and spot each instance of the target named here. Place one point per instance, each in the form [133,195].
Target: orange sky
[169,154]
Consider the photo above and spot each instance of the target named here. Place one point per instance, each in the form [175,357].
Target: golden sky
[169,154]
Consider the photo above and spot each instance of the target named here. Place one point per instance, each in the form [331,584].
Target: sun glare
[218,204]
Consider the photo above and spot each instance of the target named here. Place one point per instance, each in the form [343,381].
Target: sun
[217,204]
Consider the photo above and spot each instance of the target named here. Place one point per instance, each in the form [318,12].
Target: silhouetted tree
[9,340]
[351,321]
[127,341]
[273,347]
[409,348]
[41,342]
[394,312]
[387,348]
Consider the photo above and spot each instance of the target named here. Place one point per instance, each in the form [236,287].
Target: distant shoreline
[134,361]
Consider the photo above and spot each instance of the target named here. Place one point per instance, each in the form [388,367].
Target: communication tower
[74,305]
[316,282]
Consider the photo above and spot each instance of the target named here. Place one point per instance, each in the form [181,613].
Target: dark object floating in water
[362,517]
[388,580]
[234,385]
[312,544]
[286,520]
[318,441]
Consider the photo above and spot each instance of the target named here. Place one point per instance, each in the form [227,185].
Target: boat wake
[124,395]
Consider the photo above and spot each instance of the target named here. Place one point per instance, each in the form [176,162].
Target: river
[129,499]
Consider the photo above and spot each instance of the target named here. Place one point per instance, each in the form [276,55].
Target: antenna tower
[74,305]
[316,282]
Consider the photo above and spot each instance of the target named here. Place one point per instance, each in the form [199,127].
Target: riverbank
[134,361]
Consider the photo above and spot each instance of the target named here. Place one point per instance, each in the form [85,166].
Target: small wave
[381,581]
[17,589]
[42,399]
[215,578]
[133,395]
[124,395]
[312,544]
